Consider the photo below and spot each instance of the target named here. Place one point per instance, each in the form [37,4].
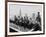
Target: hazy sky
[15,10]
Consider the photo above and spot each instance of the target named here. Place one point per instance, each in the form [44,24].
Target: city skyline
[16,9]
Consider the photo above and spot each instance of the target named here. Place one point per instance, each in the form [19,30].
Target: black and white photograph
[24,18]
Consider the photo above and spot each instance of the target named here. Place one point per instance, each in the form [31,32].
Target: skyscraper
[33,15]
[20,12]
[38,18]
